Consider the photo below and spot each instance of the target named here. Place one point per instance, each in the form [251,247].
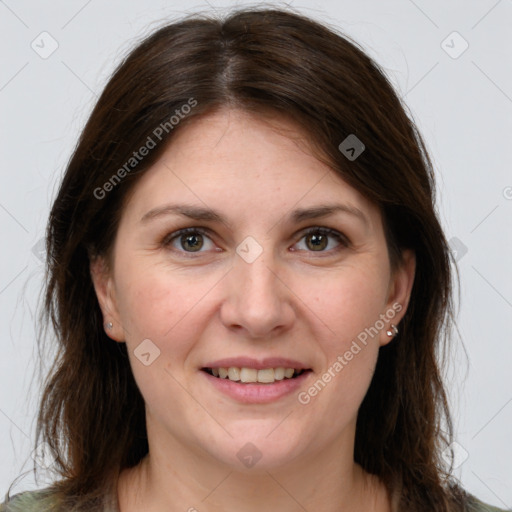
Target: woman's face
[284,265]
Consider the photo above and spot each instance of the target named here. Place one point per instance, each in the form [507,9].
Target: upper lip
[257,364]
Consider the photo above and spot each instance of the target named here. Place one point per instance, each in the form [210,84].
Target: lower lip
[255,393]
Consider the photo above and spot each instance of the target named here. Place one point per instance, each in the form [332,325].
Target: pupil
[318,241]
[193,241]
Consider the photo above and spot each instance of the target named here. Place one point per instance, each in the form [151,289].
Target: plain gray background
[461,99]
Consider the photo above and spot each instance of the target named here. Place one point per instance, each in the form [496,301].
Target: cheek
[170,308]
[347,307]
[158,303]
[348,303]
[160,306]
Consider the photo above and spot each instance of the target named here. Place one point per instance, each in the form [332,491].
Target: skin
[292,301]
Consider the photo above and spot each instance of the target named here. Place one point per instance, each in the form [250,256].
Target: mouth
[244,375]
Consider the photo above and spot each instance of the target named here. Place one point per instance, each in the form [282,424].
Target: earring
[392,332]
[109,326]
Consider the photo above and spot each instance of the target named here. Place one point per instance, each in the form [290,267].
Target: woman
[249,285]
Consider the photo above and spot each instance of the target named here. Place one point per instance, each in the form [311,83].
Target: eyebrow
[207,214]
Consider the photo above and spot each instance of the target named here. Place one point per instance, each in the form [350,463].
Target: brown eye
[192,243]
[189,240]
[321,240]
[316,242]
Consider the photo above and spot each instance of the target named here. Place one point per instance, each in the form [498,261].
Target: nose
[257,301]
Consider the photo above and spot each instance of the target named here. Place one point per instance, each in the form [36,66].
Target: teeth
[288,373]
[248,374]
[279,373]
[265,376]
[234,373]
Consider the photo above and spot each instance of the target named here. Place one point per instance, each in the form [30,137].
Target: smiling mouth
[254,376]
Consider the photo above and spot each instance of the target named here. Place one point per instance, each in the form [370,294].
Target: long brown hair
[92,414]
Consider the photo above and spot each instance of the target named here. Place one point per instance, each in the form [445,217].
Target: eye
[194,239]
[317,239]
[188,240]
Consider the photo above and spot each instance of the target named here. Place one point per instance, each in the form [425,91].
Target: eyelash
[343,240]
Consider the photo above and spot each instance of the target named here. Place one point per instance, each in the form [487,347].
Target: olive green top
[42,501]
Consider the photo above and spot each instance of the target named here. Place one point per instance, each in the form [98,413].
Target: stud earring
[109,325]
[393,331]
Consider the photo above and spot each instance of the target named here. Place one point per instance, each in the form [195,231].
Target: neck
[177,479]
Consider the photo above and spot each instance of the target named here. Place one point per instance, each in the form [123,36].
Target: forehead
[245,165]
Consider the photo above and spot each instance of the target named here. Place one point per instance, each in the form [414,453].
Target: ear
[399,294]
[105,293]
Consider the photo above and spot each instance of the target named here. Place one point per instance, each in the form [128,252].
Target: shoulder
[475,505]
[31,501]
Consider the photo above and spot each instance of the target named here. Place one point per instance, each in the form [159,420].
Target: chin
[259,451]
